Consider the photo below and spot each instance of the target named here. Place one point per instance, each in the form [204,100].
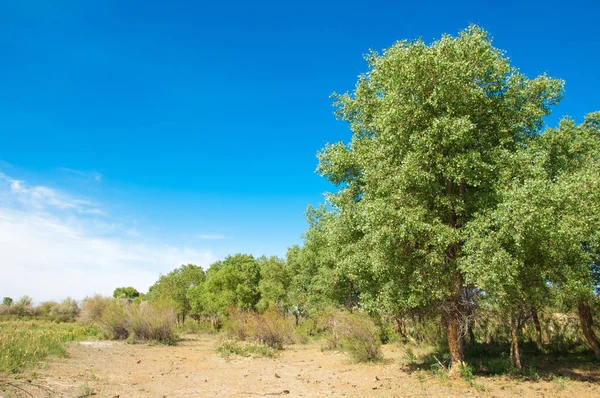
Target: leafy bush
[354,333]
[45,309]
[66,311]
[466,372]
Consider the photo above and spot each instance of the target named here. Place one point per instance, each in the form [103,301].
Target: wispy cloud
[88,175]
[54,246]
[42,197]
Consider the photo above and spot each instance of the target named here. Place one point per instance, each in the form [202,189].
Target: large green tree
[231,283]
[129,293]
[431,125]
[274,283]
[543,234]
[174,287]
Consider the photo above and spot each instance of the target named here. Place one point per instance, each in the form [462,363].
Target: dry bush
[45,308]
[122,319]
[270,328]
[354,333]
[151,321]
[92,309]
[20,308]
[113,321]
[237,324]
[66,311]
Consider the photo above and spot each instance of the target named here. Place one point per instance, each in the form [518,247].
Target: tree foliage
[232,282]
[174,286]
[129,293]
[432,126]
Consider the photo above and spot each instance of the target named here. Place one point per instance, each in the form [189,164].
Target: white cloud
[53,246]
[41,197]
[46,258]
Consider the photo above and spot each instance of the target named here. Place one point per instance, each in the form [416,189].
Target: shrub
[270,328]
[44,309]
[466,372]
[355,334]
[200,326]
[92,308]
[151,321]
[237,324]
[22,307]
[113,321]
[66,311]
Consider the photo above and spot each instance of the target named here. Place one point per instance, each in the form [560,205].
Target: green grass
[24,344]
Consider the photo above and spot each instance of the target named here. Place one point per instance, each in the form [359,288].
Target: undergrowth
[24,344]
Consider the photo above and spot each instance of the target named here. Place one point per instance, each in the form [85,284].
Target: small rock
[276,375]
[286,391]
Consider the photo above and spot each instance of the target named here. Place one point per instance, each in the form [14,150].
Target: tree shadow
[575,362]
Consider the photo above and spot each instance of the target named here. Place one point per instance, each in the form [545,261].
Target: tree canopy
[432,128]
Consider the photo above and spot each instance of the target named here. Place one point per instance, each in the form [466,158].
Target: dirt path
[192,368]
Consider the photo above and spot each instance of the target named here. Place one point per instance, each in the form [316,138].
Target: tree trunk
[585,317]
[451,320]
[454,320]
[515,353]
[454,344]
[538,328]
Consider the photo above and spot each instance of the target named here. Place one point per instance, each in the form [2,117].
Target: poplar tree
[431,125]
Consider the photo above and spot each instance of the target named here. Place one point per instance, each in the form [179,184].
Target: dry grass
[270,328]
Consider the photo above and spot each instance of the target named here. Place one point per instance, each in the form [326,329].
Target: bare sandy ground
[192,368]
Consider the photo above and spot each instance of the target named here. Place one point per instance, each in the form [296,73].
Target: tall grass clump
[146,321]
[355,334]
[113,322]
[153,321]
[269,328]
[92,309]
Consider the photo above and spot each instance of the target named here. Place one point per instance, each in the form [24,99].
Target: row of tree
[451,197]
[450,192]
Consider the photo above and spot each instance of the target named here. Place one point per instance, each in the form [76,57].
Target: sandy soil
[192,368]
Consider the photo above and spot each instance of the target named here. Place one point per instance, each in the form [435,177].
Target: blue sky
[138,135]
